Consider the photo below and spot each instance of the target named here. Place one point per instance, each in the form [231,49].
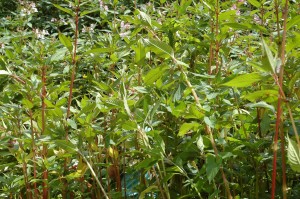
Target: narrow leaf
[268,58]
[294,21]
[70,12]
[244,80]
[66,42]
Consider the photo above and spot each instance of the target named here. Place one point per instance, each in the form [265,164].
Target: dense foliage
[149,99]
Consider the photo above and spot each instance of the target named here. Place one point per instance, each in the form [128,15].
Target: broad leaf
[293,153]
[254,3]
[160,47]
[213,165]
[186,127]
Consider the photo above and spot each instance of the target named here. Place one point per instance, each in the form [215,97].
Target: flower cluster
[89,29]
[103,6]
[28,8]
[124,29]
[40,34]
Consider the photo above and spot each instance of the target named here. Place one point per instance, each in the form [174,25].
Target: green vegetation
[149,99]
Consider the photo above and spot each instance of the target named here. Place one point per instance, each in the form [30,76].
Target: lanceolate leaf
[66,42]
[293,21]
[244,80]
[65,10]
[268,60]
[293,153]
[160,46]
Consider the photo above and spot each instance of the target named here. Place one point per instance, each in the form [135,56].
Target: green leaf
[268,60]
[186,127]
[294,21]
[65,41]
[70,12]
[28,104]
[209,122]
[213,165]
[89,12]
[266,95]
[154,74]
[244,80]
[145,17]
[293,153]
[66,145]
[200,143]
[72,123]
[183,6]
[261,105]
[99,50]
[58,55]
[161,47]
[254,3]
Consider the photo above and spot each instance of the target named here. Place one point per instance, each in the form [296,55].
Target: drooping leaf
[293,153]
[200,143]
[244,80]
[268,60]
[213,165]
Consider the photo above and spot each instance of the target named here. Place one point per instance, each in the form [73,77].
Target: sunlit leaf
[294,21]
[244,80]
[254,3]
[160,46]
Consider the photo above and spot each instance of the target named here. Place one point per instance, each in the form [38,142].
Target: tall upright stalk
[45,151]
[279,108]
[74,62]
